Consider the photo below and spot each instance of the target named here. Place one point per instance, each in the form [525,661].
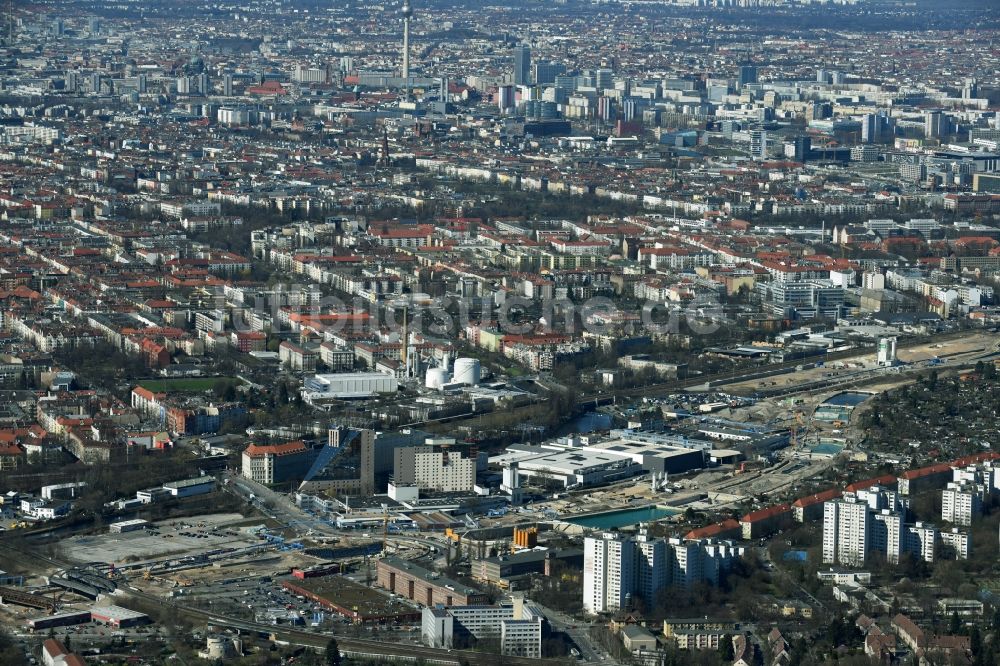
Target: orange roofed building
[274,463]
[766,521]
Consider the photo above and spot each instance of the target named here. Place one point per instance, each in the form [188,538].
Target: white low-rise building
[348,385]
[516,626]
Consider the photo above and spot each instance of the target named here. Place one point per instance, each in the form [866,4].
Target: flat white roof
[134,521]
[571,461]
[116,613]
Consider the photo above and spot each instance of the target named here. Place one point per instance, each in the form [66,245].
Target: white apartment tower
[608,572]
[887,535]
[652,567]
[845,531]
[687,563]
[960,503]
[922,539]
[957,544]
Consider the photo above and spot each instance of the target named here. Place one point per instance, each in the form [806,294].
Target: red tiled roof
[818,498]
[715,529]
[764,514]
[939,468]
[884,480]
[284,449]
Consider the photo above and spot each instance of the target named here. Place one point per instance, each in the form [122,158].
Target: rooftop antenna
[407,12]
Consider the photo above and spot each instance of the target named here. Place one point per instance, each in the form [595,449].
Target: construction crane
[798,429]
[385,528]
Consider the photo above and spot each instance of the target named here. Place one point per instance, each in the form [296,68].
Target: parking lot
[170,538]
[263,599]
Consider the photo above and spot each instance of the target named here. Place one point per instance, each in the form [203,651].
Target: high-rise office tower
[869,128]
[803,145]
[935,124]
[505,98]
[604,79]
[522,65]
[758,144]
[566,83]
[608,572]
[227,85]
[546,72]
[748,74]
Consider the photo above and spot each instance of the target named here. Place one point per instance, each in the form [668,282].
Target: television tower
[407,12]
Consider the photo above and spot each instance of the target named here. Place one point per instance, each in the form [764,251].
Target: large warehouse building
[118,617]
[319,388]
[424,586]
[580,461]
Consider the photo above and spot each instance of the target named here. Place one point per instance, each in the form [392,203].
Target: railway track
[313,639]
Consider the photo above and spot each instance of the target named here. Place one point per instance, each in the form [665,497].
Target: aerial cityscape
[624,332]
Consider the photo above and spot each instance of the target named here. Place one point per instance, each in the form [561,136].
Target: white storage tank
[218,647]
[436,378]
[467,371]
